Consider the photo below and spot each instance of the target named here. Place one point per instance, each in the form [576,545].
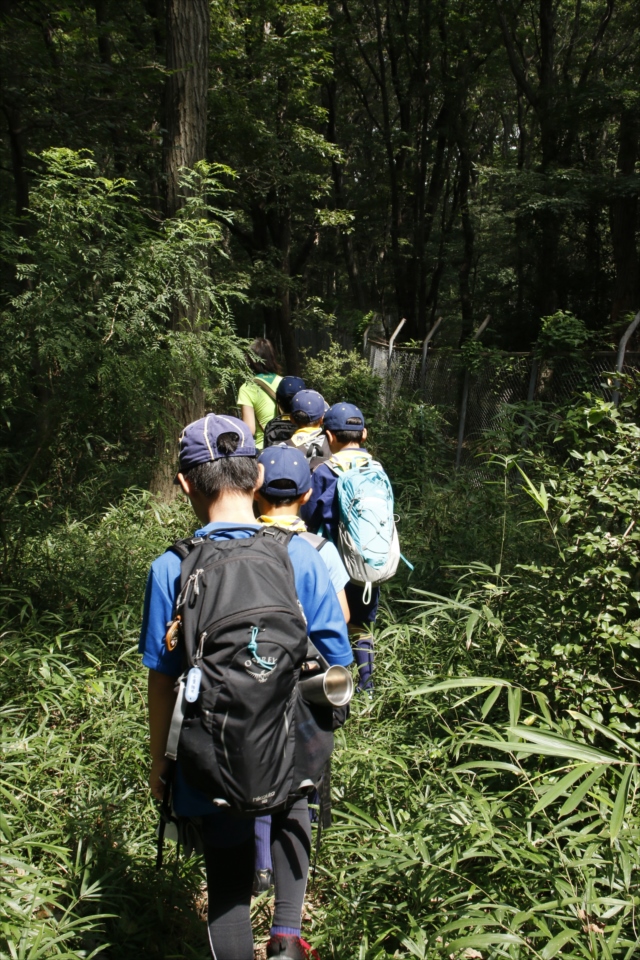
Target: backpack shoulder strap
[259,382]
[184,546]
[316,541]
[279,534]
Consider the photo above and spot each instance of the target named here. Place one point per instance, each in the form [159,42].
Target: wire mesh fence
[478,399]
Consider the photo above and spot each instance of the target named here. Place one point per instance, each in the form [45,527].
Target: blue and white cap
[199,440]
[309,402]
[337,416]
[282,462]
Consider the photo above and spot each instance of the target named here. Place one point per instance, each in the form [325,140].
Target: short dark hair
[262,357]
[239,474]
[282,484]
[350,436]
[302,418]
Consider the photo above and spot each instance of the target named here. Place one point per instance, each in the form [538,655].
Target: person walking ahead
[219,474]
[365,530]
[257,398]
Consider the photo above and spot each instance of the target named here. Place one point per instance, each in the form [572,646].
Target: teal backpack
[367,535]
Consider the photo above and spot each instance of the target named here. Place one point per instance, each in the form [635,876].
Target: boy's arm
[161,699]
[325,621]
[312,511]
[344,605]
[163,584]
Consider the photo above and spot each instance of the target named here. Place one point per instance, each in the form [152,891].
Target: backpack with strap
[367,535]
[240,732]
[278,430]
[313,442]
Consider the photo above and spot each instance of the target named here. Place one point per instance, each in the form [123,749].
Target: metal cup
[333,687]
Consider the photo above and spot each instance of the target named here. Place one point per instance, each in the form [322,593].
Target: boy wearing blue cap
[286,487]
[282,426]
[345,430]
[307,412]
[219,474]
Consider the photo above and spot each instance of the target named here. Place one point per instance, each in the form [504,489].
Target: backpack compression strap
[341,463]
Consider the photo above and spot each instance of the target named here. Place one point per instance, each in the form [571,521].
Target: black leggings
[230,881]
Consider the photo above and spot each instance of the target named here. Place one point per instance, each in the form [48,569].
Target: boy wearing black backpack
[281,427]
[370,553]
[230,563]
[307,412]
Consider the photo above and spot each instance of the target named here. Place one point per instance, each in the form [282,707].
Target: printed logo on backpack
[367,535]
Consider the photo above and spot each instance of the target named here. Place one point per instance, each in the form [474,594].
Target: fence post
[622,349]
[465,395]
[391,343]
[425,347]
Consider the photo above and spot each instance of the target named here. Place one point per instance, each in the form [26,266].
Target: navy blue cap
[199,440]
[309,402]
[288,387]
[282,462]
[336,417]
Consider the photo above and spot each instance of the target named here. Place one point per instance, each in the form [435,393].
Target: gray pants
[230,881]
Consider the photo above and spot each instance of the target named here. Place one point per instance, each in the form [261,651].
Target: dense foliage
[485,802]
[351,162]
[419,159]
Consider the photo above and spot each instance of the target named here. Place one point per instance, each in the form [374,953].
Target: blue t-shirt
[325,624]
[333,562]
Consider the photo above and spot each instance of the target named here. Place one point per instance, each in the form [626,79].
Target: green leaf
[580,793]
[472,619]
[561,747]
[489,702]
[620,805]
[460,682]
[483,940]
[555,946]
[561,787]
[591,724]
[515,703]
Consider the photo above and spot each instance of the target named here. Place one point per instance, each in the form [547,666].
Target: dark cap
[288,387]
[282,462]
[309,402]
[336,417]
[199,440]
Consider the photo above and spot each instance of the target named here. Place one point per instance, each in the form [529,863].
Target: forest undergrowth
[485,802]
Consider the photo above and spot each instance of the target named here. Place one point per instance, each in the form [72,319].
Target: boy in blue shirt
[285,488]
[345,429]
[219,474]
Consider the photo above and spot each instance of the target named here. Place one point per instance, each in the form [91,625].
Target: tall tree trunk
[185,144]
[18,155]
[468,233]
[624,223]
[185,91]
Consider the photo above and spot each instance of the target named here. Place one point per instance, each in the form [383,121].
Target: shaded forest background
[412,158]
[172,173]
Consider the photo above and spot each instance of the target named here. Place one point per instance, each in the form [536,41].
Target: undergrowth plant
[485,802]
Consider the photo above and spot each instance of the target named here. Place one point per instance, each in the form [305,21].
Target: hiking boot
[287,947]
[262,882]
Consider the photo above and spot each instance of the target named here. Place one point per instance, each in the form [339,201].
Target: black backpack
[240,731]
[278,430]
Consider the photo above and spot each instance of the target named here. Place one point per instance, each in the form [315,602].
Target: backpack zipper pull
[194,677]
[253,649]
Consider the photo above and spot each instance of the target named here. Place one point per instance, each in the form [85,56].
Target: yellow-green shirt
[264,408]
